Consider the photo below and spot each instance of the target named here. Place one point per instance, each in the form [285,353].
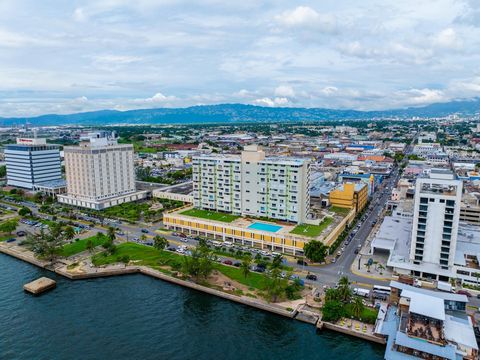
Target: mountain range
[243,113]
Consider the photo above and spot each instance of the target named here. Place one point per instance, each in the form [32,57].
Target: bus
[381,292]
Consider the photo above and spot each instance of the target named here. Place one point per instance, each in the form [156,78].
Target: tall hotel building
[100,173]
[253,185]
[31,162]
[435,224]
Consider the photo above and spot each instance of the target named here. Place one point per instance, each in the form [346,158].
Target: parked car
[312,277]
[228,262]
[302,262]
[11,240]
[464,292]
[237,264]
[357,251]
[145,231]
[21,233]
[259,269]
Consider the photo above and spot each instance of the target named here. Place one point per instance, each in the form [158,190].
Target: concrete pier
[40,285]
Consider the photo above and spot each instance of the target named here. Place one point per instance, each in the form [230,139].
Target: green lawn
[81,245]
[210,215]
[128,211]
[5,237]
[368,315]
[339,210]
[311,230]
[149,256]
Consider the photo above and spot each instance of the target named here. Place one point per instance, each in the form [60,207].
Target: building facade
[100,173]
[435,223]
[350,196]
[32,161]
[253,185]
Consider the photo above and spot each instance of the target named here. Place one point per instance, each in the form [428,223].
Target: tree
[9,226]
[24,211]
[245,265]
[111,233]
[159,242]
[332,295]
[332,311]
[143,237]
[69,232]
[275,285]
[344,289]
[357,307]
[46,245]
[315,251]
[90,245]
[277,261]
[199,264]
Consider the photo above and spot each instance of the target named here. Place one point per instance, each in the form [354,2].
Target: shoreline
[306,317]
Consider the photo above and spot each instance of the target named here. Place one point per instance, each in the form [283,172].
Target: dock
[40,286]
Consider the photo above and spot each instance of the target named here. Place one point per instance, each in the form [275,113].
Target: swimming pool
[264,227]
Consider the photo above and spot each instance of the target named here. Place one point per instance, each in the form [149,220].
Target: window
[423,200]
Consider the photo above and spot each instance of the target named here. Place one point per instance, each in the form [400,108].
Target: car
[237,264]
[11,240]
[302,262]
[228,262]
[312,277]
[145,231]
[171,248]
[464,292]
[21,233]
[259,269]
[478,296]
[182,235]
[357,250]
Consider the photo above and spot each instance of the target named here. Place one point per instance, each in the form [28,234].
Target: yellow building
[350,196]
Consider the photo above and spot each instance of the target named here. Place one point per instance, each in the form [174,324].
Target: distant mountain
[242,113]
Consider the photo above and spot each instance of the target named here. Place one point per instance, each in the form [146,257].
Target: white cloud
[117,54]
[266,101]
[304,16]
[284,91]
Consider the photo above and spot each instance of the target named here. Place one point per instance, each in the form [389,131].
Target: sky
[74,56]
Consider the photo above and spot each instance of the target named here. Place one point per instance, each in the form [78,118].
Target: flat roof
[460,331]
[447,352]
[440,294]
[426,305]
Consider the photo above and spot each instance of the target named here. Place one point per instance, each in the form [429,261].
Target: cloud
[278,101]
[284,91]
[117,54]
[306,17]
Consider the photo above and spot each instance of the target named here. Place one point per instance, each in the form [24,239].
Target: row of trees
[339,303]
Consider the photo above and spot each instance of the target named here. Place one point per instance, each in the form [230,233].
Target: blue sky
[72,56]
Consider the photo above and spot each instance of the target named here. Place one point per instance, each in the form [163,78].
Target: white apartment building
[100,173]
[32,162]
[253,185]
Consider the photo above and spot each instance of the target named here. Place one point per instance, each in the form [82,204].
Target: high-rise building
[253,185]
[100,172]
[435,224]
[31,161]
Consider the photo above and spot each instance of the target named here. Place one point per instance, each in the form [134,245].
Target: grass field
[339,210]
[81,245]
[149,256]
[210,215]
[311,230]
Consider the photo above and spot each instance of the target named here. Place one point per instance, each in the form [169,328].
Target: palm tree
[357,307]
[159,242]
[111,234]
[277,261]
[69,233]
[344,289]
[245,265]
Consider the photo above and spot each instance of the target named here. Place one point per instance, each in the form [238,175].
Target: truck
[444,286]
[361,292]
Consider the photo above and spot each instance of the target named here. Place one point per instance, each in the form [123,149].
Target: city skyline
[93,55]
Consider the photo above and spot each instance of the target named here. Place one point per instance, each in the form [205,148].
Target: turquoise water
[138,317]
[264,227]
